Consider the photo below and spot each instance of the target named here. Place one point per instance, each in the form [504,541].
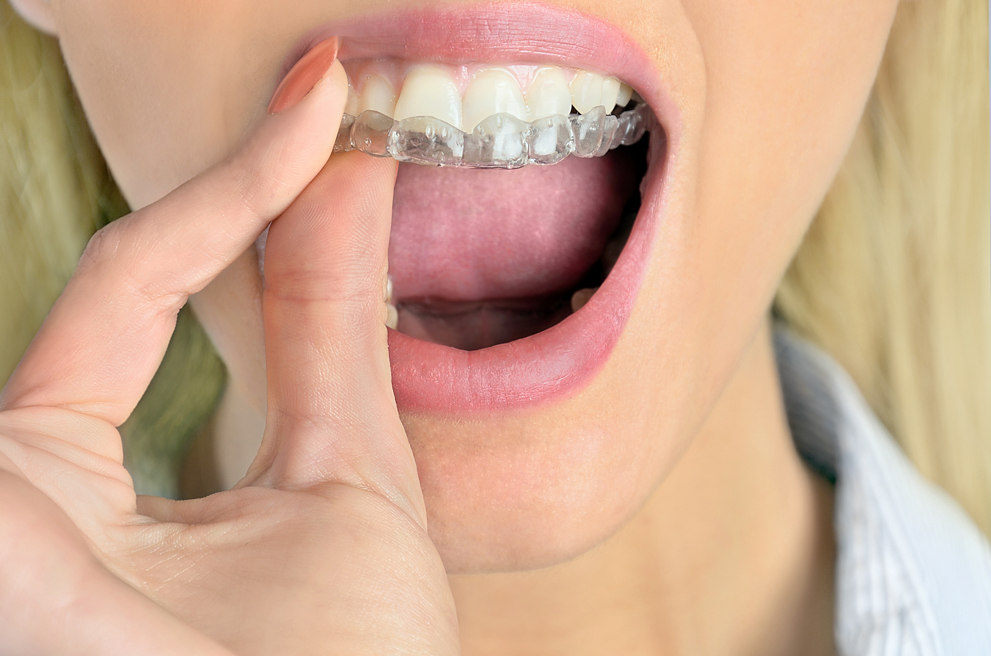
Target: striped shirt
[913,573]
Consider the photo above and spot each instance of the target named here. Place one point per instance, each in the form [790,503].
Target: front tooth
[625,94]
[586,91]
[548,94]
[429,91]
[492,91]
[352,104]
[377,95]
[610,93]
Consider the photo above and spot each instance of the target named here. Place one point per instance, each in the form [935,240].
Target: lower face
[540,422]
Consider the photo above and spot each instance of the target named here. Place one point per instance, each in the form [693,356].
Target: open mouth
[481,254]
[516,259]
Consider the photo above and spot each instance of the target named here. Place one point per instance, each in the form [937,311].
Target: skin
[675,462]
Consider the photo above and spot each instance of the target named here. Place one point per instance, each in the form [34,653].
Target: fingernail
[304,75]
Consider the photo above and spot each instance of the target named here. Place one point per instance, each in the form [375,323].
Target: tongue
[479,235]
[480,258]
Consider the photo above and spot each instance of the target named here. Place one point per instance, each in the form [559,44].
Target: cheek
[168,88]
[787,83]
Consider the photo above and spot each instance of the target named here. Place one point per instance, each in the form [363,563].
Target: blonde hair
[55,191]
[892,279]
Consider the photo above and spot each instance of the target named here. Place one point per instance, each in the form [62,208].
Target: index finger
[106,335]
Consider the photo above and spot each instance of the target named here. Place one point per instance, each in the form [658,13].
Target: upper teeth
[464,100]
[429,91]
[377,95]
[491,92]
[548,94]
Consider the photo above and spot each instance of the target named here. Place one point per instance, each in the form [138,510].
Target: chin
[514,493]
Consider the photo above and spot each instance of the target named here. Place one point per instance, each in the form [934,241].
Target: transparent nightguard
[500,141]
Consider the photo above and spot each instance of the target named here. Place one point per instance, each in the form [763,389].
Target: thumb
[332,415]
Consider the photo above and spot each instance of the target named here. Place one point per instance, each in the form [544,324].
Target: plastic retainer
[501,141]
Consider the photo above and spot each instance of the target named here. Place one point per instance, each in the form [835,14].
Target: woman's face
[532,451]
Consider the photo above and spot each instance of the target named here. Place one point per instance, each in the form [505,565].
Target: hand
[323,548]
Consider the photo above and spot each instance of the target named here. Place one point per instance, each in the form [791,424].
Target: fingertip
[287,150]
[332,89]
[304,76]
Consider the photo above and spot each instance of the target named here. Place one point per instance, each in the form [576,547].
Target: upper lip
[529,32]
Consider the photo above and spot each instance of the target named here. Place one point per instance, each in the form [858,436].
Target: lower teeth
[500,141]
[581,297]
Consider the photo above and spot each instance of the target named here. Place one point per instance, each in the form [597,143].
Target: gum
[501,141]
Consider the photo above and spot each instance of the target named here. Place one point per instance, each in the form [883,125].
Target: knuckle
[102,248]
[116,261]
[356,308]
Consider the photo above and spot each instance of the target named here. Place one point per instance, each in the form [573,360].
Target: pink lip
[565,358]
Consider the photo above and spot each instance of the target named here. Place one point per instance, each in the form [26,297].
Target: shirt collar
[913,573]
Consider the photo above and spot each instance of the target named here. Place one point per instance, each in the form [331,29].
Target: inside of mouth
[533,190]
[483,257]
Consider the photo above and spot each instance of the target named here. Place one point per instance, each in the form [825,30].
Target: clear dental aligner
[497,139]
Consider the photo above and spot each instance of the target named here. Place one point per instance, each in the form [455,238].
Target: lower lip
[549,365]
